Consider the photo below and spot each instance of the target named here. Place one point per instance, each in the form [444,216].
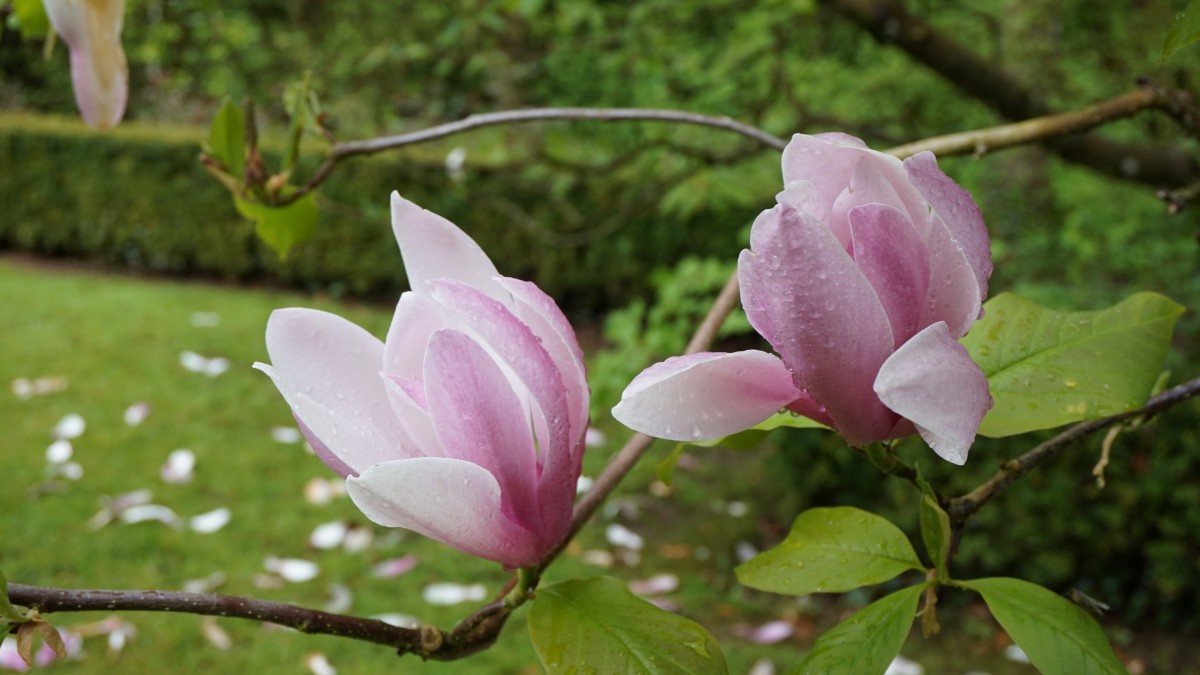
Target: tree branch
[347,149]
[962,509]
[890,23]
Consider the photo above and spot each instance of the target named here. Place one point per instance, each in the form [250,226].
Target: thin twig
[371,146]
[962,509]
[982,141]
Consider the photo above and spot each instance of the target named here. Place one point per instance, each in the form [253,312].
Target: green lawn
[118,340]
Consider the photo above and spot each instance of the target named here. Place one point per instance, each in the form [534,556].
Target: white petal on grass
[619,535]
[597,558]
[453,594]
[762,667]
[269,582]
[358,539]
[205,584]
[594,438]
[340,599]
[120,636]
[205,319]
[286,435]
[59,452]
[112,507]
[215,635]
[216,366]
[148,512]
[744,551]
[192,362]
[294,570]
[1015,653]
[584,484]
[318,664]
[390,569]
[655,585]
[320,491]
[137,413]
[771,632]
[328,535]
[179,466]
[737,509]
[70,471]
[70,426]
[903,666]
[25,388]
[207,523]
[398,620]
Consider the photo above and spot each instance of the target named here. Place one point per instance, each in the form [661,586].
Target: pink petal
[957,211]
[434,248]
[452,501]
[954,294]
[480,420]
[517,347]
[804,294]
[98,69]
[893,258]
[413,413]
[932,381]
[327,369]
[416,318]
[706,395]
[538,311]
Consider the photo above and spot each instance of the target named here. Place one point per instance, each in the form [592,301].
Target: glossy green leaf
[1059,637]
[867,641]
[597,626]
[227,138]
[1184,31]
[935,528]
[29,16]
[831,550]
[283,227]
[1047,368]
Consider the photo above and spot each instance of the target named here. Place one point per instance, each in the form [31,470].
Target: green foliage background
[587,210]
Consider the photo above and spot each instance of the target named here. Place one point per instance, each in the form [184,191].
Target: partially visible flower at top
[99,73]
[862,277]
[467,425]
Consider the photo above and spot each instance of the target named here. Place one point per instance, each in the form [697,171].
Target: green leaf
[1058,636]
[867,641]
[227,138]
[1184,31]
[831,550]
[744,440]
[935,528]
[666,467]
[282,227]
[598,626]
[8,613]
[1047,368]
[30,18]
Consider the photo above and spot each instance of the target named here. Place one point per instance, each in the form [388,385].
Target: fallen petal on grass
[179,466]
[205,319]
[215,635]
[390,569]
[211,521]
[320,491]
[137,413]
[340,599]
[445,593]
[286,435]
[655,585]
[318,664]
[155,512]
[59,452]
[205,584]
[328,535]
[70,426]
[294,570]
[619,535]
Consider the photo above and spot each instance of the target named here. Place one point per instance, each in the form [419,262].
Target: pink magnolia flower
[92,31]
[862,277]
[467,424]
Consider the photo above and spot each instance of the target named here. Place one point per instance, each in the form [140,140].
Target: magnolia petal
[893,258]
[479,419]
[954,293]
[705,395]
[413,415]
[932,381]
[868,185]
[804,294]
[434,248]
[517,347]
[327,369]
[538,311]
[958,213]
[99,73]
[416,317]
[452,501]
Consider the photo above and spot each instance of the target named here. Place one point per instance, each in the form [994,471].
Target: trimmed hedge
[137,197]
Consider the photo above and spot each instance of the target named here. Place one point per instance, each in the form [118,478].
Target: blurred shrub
[138,198]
